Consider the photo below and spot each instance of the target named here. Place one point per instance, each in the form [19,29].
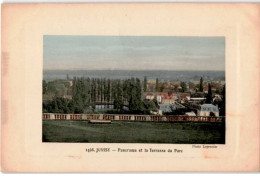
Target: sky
[64,52]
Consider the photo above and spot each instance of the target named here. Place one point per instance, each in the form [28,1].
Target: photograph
[133,89]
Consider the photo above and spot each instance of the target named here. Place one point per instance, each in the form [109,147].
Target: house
[161,97]
[205,89]
[163,108]
[213,88]
[169,99]
[208,110]
[183,97]
[165,98]
[149,96]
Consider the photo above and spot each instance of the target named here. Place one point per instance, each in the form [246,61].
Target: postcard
[130,87]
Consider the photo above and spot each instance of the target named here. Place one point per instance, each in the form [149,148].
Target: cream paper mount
[24,27]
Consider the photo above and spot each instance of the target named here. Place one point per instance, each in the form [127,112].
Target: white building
[208,110]
[149,96]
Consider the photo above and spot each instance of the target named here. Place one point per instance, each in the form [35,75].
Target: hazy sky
[134,52]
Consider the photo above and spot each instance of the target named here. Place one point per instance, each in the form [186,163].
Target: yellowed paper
[23,27]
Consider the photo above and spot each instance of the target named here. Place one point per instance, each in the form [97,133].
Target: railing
[120,117]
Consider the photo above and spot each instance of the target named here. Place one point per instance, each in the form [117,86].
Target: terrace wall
[121,117]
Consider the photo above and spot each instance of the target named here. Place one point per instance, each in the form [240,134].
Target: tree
[145,84]
[55,108]
[93,90]
[133,88]
[74,86]
[139,94]
[161,87]
[102,90]
[98,89]
[44,87]
[58,105]
[71,106]
[222,106]
[108,91]
[157,85]
[87,92]
[118,94]
[201,85]
[149,106]
[176,87]
[183,86]
[209,95]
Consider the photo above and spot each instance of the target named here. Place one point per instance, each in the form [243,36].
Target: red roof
[184,95]
[151,94]
[166,95]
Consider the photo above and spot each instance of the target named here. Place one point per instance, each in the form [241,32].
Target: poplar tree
[209,95]
[201,85]
[183,86]
[44,87]
[157,85]
[145,84]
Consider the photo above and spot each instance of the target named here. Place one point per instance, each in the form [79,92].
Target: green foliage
[222,105]
[86,93]
[145,84]
[135,101]
[150,106]
[201,85]
[209,95]
[58,105]
[56,87]
[183,86]
[118,95]
[161,87]
[44,87]
[157,85]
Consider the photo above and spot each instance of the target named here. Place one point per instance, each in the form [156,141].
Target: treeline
[86,92]
[62,105]
[57,87]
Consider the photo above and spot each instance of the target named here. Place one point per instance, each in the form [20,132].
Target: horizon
[123,74]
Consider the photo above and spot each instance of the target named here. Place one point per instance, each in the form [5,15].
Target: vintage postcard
[130,87]
[134,89]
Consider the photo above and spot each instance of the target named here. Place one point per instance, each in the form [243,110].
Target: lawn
[133,132]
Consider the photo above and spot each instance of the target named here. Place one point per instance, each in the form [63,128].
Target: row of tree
[86,92]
